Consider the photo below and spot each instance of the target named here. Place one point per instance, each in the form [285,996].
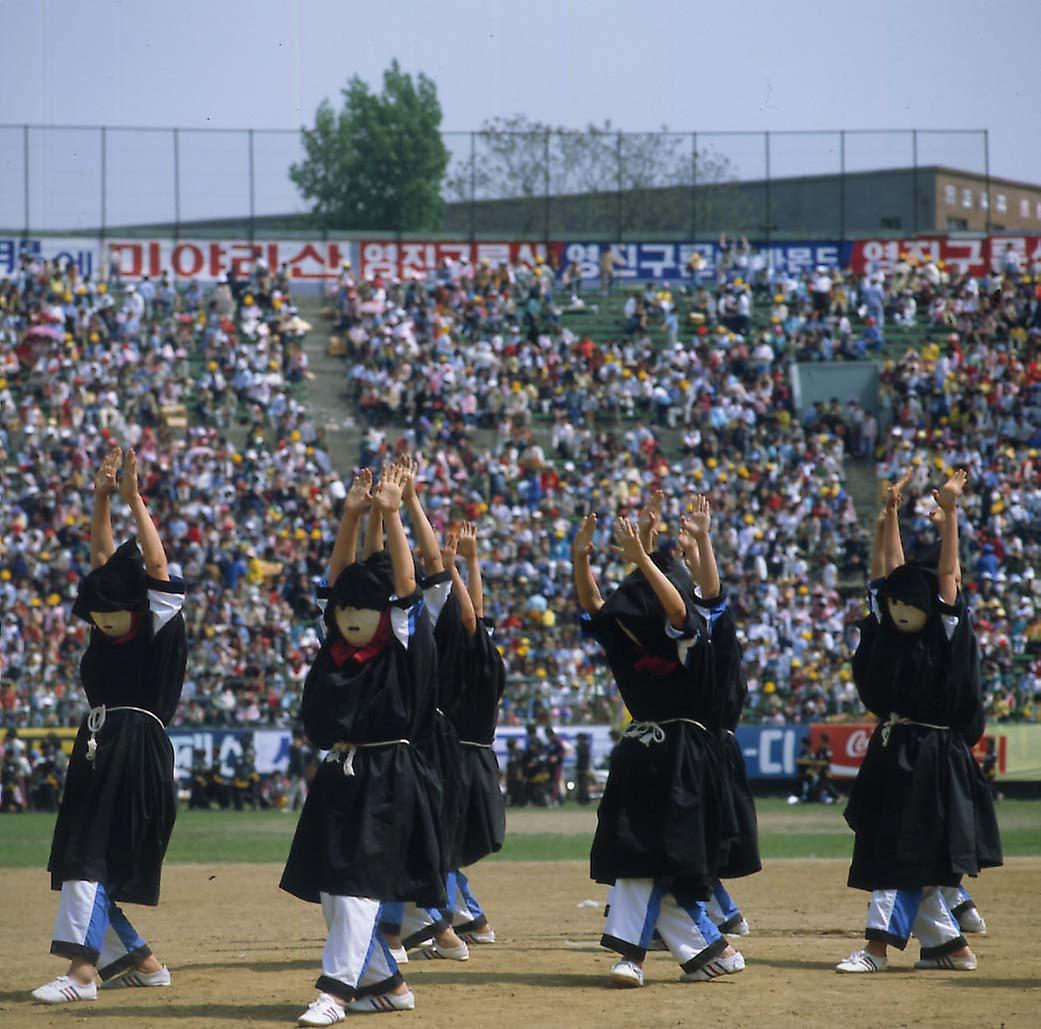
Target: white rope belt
[344,752]
[652,732]
[474,743]
[895,719]
[96,720]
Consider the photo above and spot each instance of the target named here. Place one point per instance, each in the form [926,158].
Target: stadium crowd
[207,385]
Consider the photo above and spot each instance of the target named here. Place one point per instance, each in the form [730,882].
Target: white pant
[356,960]
[639,906]
[893,915]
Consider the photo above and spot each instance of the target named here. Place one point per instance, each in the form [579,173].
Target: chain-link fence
[594,184]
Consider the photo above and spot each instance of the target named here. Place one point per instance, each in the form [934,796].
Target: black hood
[120,584]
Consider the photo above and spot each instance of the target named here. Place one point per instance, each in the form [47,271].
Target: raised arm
[373,532]
[937,516]
[426,538]
[893,547]
[359,500]
[878,546]
[388,499]
[628,546]
[697,525]
[650,520]
[466,608]
[102,546]
[468,552]
[947,497]
[147,533]
[589,598]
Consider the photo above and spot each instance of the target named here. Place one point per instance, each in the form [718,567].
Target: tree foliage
[378,162]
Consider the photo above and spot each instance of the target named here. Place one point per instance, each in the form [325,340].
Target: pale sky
[688,65]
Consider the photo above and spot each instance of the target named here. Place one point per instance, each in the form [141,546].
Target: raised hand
[895,497]
[106,482]
[698,518]
[128,480]
[468,540]
[650,519]
[583,541]
[937,516]
[409,468]
[449,548]
[627,541]
[359,496]
[949,493]
[388,494]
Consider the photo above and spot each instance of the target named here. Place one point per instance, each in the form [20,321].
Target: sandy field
[242,953]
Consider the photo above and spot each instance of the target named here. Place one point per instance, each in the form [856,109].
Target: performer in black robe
[666,814]
[120,799]
[717,654]
[368,829]
[920,809]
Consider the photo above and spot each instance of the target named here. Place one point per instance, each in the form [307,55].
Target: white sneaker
[627,973]
[477,936]
[384,1002]
[325,1010]
[862,961]
[65,989]
[948,963]
[741,929]
[715,968]
[399,954]
[132,977]
[436,950]
[971,921]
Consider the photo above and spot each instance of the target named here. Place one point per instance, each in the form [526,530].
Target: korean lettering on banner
[224,747]
[770,752]
[207,260]
[796,258]
[632,261]
[83,253]
[420,259]
[961,255]
[1026,248]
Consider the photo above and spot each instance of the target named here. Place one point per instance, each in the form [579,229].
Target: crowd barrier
[320,262]
[771,751]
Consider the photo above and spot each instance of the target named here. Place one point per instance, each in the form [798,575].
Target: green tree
[378,162]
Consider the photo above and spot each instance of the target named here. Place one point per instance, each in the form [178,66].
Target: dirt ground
[242,953]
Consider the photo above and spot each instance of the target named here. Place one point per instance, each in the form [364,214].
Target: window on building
[957,224]
[1002,203]
[1024,208]
[891,221]
[966,198]
[1037,210]
[984,201]
[950,194]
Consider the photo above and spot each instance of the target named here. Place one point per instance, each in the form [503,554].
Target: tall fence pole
[252,190]
[618,190]
[693,187]
[842,184]
[104,185]
[545,189]
[25,166]
[177,182]
[986,173]
[473,186]
[766,143]
[914,180]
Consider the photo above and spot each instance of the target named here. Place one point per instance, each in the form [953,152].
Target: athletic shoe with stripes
[862,961]
[715,968]
[741,929]
[325,1010]
[949,963]
[971,921]
[627,973]
[477,936]
[385,1002]
[399,954]
[65,989]
[132,977]
[436,950]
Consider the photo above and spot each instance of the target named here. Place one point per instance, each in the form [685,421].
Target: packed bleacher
[524,422]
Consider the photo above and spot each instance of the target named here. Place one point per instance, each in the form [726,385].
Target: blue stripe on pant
[90,926]
[893,915]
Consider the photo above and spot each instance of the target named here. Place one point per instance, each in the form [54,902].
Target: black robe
[474,713]
[117,814]
[374,833]
[920,807]
[666,810]
[723,652]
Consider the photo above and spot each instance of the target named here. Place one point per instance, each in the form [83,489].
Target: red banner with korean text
[207,260]
[959,255]
[418,259]
[849,742]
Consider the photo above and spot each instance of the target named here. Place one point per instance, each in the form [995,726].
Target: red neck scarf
[135,621]
[341,651]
